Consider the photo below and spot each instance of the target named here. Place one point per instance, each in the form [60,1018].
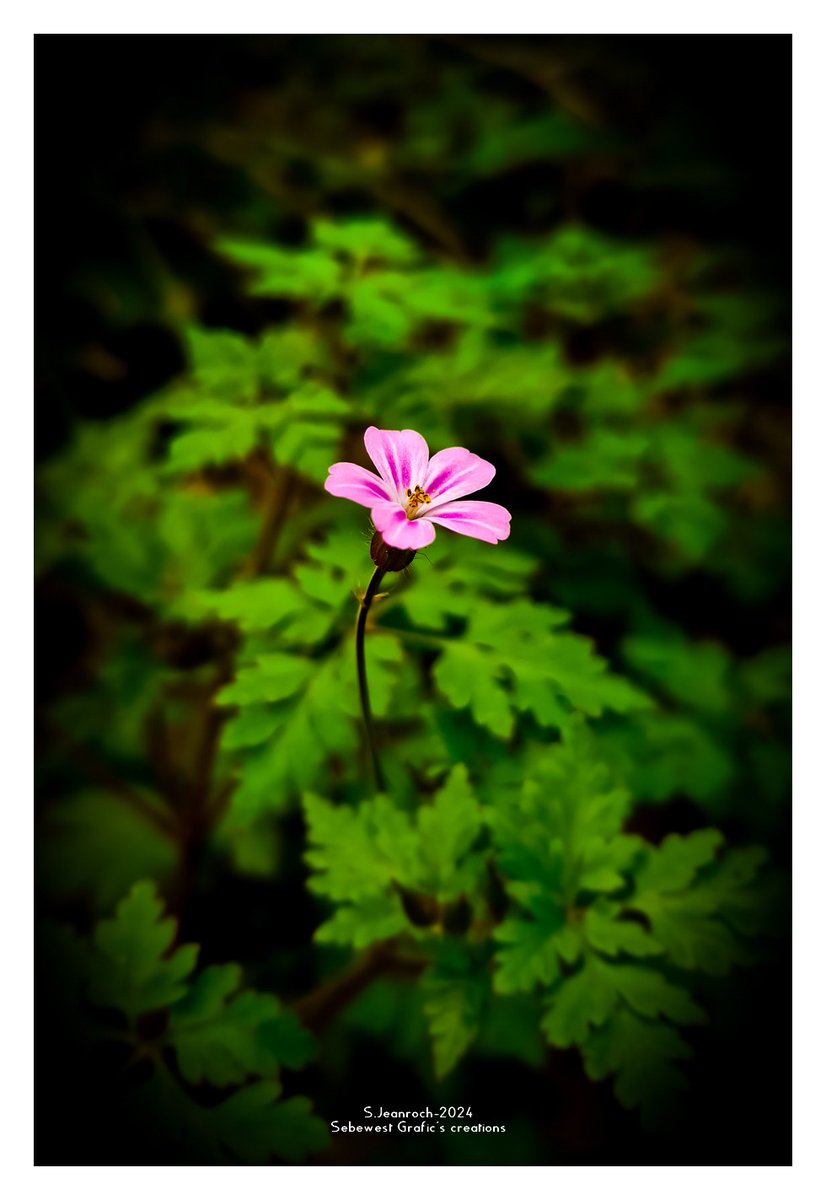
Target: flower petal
[475,518]
[356,483]
[400,456]
[394,527]
[456,472]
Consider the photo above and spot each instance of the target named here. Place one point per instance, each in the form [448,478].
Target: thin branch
[552,73]
[317,1008]
[277,487]
[203,809]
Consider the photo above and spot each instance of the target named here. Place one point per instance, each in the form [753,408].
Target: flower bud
[496,895]
[420,909]
[389,558]
[457,916]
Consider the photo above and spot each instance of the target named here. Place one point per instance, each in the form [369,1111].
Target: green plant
[528,701]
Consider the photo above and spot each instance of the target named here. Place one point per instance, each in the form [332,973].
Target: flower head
[413,492]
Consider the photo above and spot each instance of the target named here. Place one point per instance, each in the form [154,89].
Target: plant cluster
[543,709]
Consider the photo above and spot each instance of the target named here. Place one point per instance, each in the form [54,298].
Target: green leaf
[252,726]
[503,143]
[457,577]
[361,854]
[696,942]
[272,677]
[480,377]
[734,886]
[291,355]
[580,1001]
[695,673]
[252,1126]
[651,995]
[379,312]
[605,931]
[579,273]
[673,864]
[198,448]
[741,335]
[270,777]
[447,830]
[221,1037]
[204,536]
[302,711]
[371,919]
[663,754]
[218,1034]
[561,829]
[468,677]
[255,848]
[590,996]
[510,1030]
[223,363]
[306,429]
[454,1002]
[698,906]
[309,727]
[767,677]
[642,1056]
[693,524]
[96,843]
[531,950]
[357,852]
[365,239]
[605,459]
[135,971]
[255,1126]
[514,659]
[254,604]
[312,275]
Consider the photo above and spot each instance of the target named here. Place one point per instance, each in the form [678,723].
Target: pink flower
[413,492]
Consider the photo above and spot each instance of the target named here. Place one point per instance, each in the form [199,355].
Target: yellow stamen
[415,499]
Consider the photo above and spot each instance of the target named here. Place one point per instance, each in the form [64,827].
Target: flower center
[415,499]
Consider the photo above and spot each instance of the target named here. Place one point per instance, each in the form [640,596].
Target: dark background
[126,200]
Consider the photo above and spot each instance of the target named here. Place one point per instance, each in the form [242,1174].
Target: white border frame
[244,16]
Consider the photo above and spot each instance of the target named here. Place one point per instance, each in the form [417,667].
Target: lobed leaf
[135,971]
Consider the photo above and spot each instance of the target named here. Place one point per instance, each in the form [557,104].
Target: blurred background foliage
[569,911]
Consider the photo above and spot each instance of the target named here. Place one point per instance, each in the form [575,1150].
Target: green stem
[364,695]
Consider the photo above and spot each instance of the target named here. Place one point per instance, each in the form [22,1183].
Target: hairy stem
[361,667]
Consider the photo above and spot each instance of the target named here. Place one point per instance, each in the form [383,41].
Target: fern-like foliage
[605,926]
[212,1032]
[535,701]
